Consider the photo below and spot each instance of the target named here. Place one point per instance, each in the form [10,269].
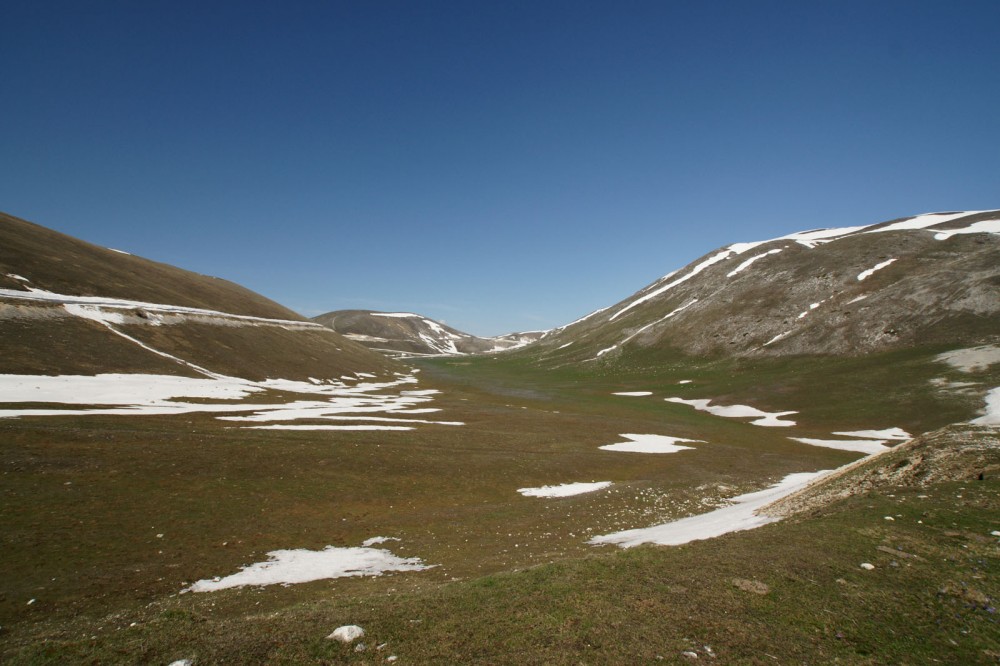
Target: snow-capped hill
[70,307]
[408,334]
[928,279]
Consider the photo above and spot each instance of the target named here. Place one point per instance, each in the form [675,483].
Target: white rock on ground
[347,633]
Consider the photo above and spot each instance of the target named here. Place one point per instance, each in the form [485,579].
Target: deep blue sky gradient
[497,165]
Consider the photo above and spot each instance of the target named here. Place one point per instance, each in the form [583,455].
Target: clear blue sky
[497,165]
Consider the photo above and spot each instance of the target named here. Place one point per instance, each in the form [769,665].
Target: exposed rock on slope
[408,334]
[70,307]
[934,278]
[957,452]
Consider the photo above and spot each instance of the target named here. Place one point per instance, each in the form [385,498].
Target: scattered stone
[690,655]
[995,533]
[754,586]
[182,662]
[889,518]
[867,566]
[360,647]
[391,657]
[899,553]
[347,634]
[31,601]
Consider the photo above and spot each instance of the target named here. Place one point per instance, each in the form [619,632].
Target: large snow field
[145,395]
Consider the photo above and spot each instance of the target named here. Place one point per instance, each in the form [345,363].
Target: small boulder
[347,634]
[867,566]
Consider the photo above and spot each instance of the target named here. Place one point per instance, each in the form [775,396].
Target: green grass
[86,498]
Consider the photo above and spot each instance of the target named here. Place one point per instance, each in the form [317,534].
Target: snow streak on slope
[670,285]
[95,303]
[864,275]
[739,516]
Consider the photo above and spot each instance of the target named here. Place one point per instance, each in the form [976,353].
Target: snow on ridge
[888,434]
[923,221]
[399,315]
[564,489]
[864,275]
[983,227]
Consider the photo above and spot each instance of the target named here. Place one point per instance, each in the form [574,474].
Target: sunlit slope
[931,279]
[70,307]
[409,334]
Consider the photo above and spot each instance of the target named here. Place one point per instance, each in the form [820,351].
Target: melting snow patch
[565,489]
[991,413]
[767,419]
[887,434]
[869,446]
[288,567]
[863,275]
[282,426]
[649,444]
[634,393]
[971,360]
[742,515]
[15,276]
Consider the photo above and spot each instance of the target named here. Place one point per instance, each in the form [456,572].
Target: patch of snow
[564,490]
[971,360]
[120,251]
[991,412]
[347,633]
[864,275]
[563,346]
[922,221]
[985,227]
[634,393]
[670,285]
[661,319]
[15,276]
[283,426]
[117,389]
[400,315]
[812,306]
[374,541]
[779,336]
[888,434]
[287,567]
[859,298]
[605,351]
[746,264]
[766,419]
[649,444]
[869,446]
[685,381]
[737,517]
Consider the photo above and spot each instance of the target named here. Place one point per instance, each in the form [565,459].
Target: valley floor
[109,519]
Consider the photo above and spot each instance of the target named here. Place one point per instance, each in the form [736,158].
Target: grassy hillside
[241,333]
